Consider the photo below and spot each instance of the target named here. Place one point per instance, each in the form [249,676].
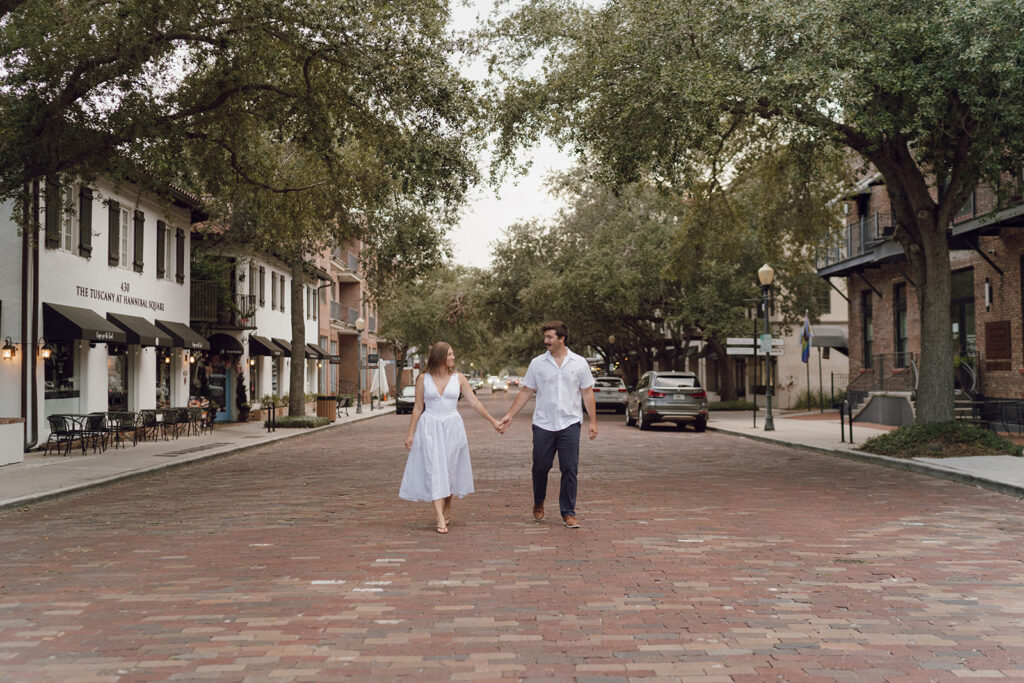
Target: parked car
[663,396]
[610,392]
[405,400]
[475,383]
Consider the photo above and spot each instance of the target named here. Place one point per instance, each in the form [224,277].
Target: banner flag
[806,335]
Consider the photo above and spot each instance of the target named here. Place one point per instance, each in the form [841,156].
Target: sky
[490,210]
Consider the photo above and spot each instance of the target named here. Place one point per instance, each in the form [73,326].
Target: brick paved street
[702,557]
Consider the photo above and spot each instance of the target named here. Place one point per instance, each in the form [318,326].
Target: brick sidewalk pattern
[702,557]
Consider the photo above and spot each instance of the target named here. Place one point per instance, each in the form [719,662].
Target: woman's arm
[417,410]
[467,391]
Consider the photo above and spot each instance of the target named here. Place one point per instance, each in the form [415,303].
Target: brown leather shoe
[570,521]
[538,511]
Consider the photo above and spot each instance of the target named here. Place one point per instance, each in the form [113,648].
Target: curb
[159,467]
[892,463]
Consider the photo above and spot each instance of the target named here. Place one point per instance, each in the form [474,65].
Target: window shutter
[140,230]
[161,247]
[179,263]
[85,222]
[53,211]
[263,279]
[113,233]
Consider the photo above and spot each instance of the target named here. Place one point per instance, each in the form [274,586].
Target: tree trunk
[297,376]
[930,265]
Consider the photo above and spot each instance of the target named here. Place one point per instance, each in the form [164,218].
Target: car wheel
[681,426]
[700,425]
[629,420]
[640,421]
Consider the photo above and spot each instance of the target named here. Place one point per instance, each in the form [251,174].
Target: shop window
[163,379]
[254,380]
[962,311]
[900,323]
[274,378]
[59,371]
[117,377]
[867,327]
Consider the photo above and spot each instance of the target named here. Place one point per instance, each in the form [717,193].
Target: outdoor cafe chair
[61,434]
[95,431]
[122,426]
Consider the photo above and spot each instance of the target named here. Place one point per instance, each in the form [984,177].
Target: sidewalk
[40,477]
[821,432]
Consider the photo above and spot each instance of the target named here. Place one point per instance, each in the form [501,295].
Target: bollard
[842,424]
[849,410]
[272,417]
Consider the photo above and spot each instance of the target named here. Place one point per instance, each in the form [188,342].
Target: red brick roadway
[702,557]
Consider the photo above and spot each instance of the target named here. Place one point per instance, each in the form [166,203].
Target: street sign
[749,351]
[372,358]
[750,341]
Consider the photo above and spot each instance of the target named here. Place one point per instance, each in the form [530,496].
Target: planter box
[12,440]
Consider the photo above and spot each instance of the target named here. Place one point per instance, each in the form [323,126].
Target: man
[560,379]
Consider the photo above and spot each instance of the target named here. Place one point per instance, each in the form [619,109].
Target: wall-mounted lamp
[319,363]
[988,294]
[9,350]
[167,360]
[192,358]
[252,362]
[44,349]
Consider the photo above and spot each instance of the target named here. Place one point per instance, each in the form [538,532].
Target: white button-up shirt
[558,389]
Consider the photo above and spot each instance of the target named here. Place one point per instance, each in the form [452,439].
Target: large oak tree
[928,91]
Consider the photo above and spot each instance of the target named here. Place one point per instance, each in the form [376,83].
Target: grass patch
[731,405]
[939,440]
[299,422]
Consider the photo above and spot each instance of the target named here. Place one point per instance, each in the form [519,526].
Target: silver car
[610,392]
[668,396]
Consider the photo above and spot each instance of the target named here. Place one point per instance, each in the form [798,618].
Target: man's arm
[588,403]
[521,398]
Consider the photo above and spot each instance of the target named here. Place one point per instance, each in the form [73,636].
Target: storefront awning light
[9,350]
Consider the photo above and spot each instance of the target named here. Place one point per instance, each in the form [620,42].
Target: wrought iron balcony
[208,305]
[858,237]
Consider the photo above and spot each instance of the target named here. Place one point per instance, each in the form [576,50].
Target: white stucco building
[95,302]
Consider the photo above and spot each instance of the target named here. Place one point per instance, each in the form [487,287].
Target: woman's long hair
[437,357]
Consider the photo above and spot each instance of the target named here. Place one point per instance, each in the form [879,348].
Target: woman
[438,466]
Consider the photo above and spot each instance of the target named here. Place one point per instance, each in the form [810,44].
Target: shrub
[939,440]
[811,400]
[731,405]
[299,421]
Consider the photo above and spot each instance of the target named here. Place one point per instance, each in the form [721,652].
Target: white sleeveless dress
[438,464]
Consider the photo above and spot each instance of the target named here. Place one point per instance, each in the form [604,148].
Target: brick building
[987,306]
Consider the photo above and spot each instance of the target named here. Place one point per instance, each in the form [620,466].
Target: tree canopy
[928,92]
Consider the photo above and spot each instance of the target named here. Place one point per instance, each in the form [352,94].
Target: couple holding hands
[438,466]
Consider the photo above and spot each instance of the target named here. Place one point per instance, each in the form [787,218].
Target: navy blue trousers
[566,442]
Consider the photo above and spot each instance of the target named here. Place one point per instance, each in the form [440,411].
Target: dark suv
[668,396]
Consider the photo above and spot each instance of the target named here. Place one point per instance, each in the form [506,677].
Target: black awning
[225,345]
[183,336]
[139,330]
[314,351]
[67,323]
[286,345]
[261,346]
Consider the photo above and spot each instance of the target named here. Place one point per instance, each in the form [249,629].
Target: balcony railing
[347,259]
[208,306]
[857,238]
[343,315]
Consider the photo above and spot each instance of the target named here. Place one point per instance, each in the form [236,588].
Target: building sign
[372,358]
[123,297]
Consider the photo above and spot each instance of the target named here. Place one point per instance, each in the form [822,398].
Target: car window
[613,383]
[408,392]
[676,382]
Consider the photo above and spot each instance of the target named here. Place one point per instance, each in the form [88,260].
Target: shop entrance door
[117,379]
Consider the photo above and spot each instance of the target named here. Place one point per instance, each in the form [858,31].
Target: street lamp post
[360,326]
[611,353]
[765,275]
